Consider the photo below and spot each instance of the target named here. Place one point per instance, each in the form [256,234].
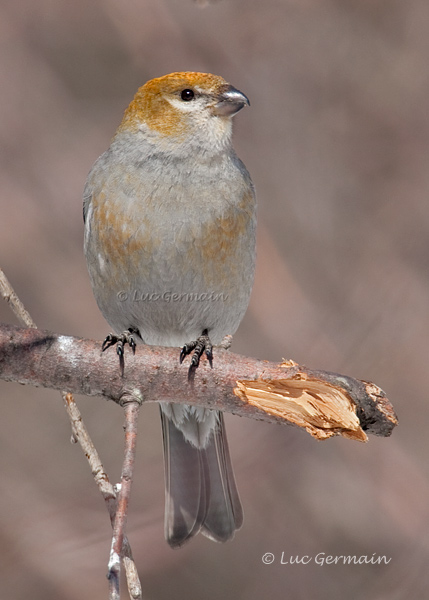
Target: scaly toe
[120,340]
[198,347]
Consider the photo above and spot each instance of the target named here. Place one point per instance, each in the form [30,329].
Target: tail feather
[200,490]
[224,515]
[185,510]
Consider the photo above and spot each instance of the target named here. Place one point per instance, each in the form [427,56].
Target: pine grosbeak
[169,214]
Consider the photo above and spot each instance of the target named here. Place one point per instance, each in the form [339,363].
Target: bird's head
[184,108]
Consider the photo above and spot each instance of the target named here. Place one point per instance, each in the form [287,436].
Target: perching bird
[170,217]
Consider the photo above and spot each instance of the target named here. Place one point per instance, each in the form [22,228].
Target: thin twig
[131,409]
[14,302]
[107,490]
[81,435]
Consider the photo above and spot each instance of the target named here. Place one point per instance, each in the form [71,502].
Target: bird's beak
[230,101]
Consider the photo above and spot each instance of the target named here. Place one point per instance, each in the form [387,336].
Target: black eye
[187,95]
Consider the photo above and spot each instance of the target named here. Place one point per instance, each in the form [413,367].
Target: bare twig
[14,302]
[131,409]
[107,490]
[324,403]
[80,434]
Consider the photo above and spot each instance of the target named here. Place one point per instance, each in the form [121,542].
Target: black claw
[209,354]
[110,340]
[187,349]
[199,347]
[120,352]
[183,354]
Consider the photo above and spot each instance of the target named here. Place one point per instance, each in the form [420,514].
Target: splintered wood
[319,407]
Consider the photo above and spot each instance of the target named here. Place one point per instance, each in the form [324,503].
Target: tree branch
[323,403]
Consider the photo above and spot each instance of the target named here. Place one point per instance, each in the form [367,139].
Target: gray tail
[200,490]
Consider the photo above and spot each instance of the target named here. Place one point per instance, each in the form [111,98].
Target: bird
[169,240]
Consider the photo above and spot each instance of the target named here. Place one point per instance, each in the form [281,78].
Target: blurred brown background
[337,142]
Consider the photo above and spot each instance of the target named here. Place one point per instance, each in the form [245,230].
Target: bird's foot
[198,347]
[120,340]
